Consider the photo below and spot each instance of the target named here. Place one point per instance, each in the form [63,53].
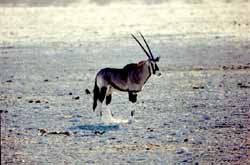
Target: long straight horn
[141,46]
[152,57]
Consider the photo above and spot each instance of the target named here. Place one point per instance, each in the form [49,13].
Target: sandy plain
[196,112]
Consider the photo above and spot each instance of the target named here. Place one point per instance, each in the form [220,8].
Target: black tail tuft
[96,95]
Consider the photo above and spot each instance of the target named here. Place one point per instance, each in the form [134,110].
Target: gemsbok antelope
[131,78]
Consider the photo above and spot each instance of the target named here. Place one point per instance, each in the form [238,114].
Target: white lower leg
[100,110]
[132,107]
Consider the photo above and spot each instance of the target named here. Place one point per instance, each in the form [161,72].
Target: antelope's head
[151,59]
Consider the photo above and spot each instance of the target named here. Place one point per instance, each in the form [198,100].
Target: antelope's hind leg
[102,97]
[108,99]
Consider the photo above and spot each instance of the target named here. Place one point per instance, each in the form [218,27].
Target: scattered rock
[198,87]
[42,131]
[197,140]
[65,133]
[205,117]
[76,97]
[197,106]
[241,85]
[150,129]
[235,67]
[224,67]
[9,81]
[246,67]
[241,126]
[3,111]
[87,91]
[188,159]
[99,132]
[180,150]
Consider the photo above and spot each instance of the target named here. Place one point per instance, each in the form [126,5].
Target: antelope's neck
[147,71]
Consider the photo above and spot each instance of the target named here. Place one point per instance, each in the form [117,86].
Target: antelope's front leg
[132,98]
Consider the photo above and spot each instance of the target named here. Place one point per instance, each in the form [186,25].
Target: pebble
[76,98]
[198,87]
[3,111]
[205,117]
[197,140]
[87,91]
[181,150]
[9,81]
[42,131]
[99,132]
[150,129]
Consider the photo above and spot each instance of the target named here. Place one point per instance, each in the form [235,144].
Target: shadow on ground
[96,127]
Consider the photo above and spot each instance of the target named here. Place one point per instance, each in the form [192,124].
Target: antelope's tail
[95,95]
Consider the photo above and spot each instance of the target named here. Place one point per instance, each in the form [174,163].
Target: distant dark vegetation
[44,3]
[34,3]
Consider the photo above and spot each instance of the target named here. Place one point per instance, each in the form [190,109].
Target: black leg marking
[102,94]
[108,99]
[132,97]
[96,96]
[132,113]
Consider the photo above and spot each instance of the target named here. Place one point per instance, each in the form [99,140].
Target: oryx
[131,78]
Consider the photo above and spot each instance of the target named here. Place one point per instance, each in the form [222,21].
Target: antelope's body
[131,78]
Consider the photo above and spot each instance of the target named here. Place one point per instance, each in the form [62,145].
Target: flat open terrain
[196,112]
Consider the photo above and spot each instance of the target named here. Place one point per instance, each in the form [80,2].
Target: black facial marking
[156,67]
[148,75]
[153,69]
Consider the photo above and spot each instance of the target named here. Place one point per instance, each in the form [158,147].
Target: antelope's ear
[157,59]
